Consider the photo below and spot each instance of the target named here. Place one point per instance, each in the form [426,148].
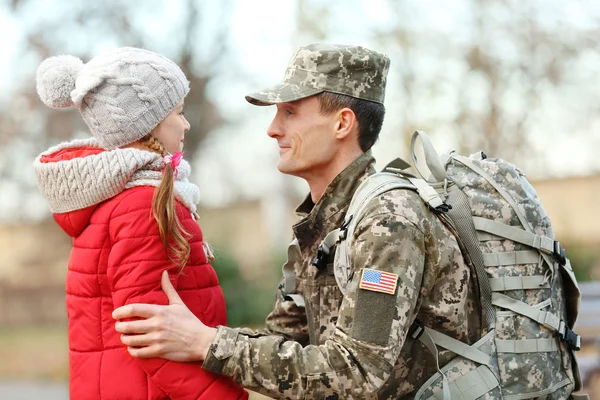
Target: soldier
[319,342]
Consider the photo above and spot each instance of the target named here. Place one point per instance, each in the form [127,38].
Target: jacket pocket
[529,358]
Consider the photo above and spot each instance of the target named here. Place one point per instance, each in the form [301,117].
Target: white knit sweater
[84,181]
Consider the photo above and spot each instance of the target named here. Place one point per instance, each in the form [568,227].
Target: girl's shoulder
[140,198]
[137,198]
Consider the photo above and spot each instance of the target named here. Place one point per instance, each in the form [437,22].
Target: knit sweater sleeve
[135,264]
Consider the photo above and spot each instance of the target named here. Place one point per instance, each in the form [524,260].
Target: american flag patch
[378,281]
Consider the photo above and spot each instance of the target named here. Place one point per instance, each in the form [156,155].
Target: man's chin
[286,169]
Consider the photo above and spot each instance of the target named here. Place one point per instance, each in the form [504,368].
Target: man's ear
[346,123]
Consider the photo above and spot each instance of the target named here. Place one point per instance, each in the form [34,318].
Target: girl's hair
[172,234]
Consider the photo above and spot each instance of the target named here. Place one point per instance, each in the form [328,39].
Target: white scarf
[84,181]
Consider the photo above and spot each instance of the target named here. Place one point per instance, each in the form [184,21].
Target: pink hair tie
[174,160]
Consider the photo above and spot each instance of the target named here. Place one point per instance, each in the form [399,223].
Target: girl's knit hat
[122,95]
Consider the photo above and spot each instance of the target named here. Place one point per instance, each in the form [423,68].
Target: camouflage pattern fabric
[350,70]
[357,346]
[526,374]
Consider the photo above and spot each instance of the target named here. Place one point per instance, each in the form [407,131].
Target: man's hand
[170,332]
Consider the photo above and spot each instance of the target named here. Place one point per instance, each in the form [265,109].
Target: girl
[125,198]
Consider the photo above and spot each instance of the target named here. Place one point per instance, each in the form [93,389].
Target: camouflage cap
[350,70]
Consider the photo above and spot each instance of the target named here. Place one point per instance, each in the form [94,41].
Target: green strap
[458,347]
[540,242]
[460,215]
[526,345]
[549,320]
[519,283]
[432,159]
[511,258]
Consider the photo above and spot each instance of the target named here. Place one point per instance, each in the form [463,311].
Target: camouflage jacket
[357,346]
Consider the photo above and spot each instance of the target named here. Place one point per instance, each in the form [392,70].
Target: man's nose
[274,130]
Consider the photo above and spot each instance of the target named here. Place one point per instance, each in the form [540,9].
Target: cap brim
[281,93]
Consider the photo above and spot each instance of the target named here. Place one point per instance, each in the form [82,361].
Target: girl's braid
[154,144]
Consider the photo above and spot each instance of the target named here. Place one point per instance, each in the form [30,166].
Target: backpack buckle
[572,339]
[441,209]
[417,329]
[344,228]
[560,253]
[320,261]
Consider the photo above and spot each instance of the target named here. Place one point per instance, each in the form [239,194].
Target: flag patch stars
[378,281]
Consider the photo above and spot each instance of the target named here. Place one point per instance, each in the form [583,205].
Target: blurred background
[517,79]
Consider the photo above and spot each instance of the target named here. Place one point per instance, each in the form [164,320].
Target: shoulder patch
[378,281]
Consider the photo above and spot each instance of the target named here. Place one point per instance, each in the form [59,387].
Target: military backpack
[529,294]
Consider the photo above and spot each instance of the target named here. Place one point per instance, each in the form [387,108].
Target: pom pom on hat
[56,80]
[128,91]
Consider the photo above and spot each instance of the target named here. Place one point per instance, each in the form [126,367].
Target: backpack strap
[332,238]
[471,385]
[511,258]
[369,189]
[545,318]
[432,159]
[288,287]
[422,334]
[372,187]
[542,243]
[429,195]
[521,282]
[458,347]
[462,219]
[520,346]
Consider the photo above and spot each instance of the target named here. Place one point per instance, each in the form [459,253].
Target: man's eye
[182,113]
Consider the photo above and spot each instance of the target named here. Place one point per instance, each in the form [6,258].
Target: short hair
[369,115]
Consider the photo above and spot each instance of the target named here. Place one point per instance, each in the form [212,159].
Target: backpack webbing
[460,215]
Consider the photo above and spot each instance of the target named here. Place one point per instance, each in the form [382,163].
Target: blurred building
[571,205]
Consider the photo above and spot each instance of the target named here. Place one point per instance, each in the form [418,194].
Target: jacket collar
[326,213]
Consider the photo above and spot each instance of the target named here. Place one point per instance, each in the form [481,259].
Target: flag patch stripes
[378,281]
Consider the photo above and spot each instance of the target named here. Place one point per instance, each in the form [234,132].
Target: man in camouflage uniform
[320,343]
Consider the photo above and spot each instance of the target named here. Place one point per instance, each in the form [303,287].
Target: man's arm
[287,318]
[370,332]
[174,333]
